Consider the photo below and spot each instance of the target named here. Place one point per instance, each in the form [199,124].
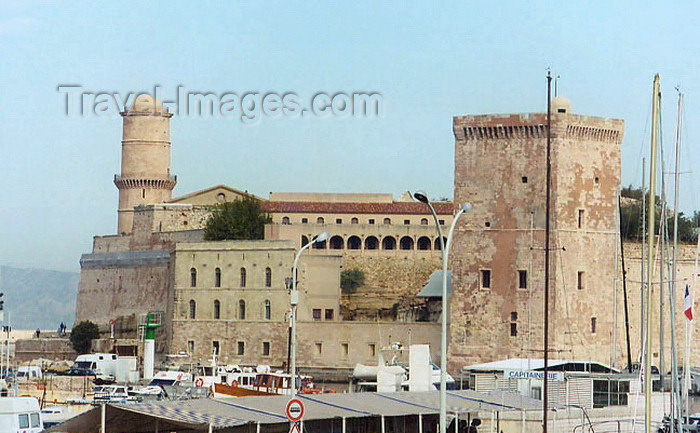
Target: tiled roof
[397,208]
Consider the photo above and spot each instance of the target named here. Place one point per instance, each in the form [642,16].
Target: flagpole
[689,329]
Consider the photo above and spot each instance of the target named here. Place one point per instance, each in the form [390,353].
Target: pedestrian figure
[476,422]
[38,331]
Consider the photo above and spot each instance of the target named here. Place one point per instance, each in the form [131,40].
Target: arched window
[320,220]
[336,243]
[193,277]
[319,245]
[304,240]
[389,243]
[241,310]
[285,220]
[193,309]
[424,243]
[406,243]
[243,277]
[371,243]
[354,243]
[268,277]
[217,277]
[354,220]
[387,220]
[424,221]
[438,246]
[217,309]
[268,309]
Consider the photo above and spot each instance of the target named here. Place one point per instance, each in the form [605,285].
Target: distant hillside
[37,298]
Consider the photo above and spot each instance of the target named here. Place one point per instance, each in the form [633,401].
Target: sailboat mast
[644,243]
[656,93]
[674,353]
[545,402]
[624,288]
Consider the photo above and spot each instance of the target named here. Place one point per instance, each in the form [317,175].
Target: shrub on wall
[351,279]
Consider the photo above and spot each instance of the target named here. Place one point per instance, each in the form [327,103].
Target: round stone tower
[145,172]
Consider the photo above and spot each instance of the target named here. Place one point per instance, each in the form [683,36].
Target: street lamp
[445,249]
[294,300]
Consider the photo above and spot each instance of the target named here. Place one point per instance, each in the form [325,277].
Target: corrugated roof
[225,413]
[530,364]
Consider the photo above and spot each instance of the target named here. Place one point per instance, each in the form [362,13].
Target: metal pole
[672,294]
[294,300]
[103,418]
[643,274]
[624,290]
[445,303]
[650,255]
[545,402]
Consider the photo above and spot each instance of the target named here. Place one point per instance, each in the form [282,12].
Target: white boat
[20,415]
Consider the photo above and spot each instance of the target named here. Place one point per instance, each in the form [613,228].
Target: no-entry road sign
[295,410]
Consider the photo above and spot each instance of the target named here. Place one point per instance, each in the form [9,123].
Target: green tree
[238,220]
[351,279]
[82,334]
[631,218]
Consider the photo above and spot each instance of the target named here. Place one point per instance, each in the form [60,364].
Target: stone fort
[230,297]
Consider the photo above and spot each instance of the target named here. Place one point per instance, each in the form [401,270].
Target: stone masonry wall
[388,281]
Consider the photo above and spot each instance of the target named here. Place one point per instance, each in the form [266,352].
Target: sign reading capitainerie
[553,376]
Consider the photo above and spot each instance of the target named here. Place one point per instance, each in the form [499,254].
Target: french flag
[688,304]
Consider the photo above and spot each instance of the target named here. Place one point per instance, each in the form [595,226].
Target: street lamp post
[294,300]
[445,249]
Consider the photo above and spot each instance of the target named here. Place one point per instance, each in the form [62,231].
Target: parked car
[77,371]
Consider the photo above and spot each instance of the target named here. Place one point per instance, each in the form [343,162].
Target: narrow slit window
[485,279]
[581,214]
[581,280]
[522,279]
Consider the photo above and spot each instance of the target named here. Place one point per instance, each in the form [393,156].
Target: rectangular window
[319,349]
[215,347]
[441,222]
[304,220]
[338,221]
[190,347]
[329,314]
[372,350]
[35,419]
[580,280]
[406,222]
[513,329]
[536,393]
[23,420]
[371,221]
[522,279]
[485,279]
[344,350]
[593,323]
[317,314]
[580,218]
[241,348]
[266,348]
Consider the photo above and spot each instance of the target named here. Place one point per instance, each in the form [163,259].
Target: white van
[31,372]
[20,415]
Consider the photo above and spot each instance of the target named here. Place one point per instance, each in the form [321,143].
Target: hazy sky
[429,61]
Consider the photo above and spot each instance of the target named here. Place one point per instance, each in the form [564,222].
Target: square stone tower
[497,304]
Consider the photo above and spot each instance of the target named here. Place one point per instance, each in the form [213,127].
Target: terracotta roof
[441,208]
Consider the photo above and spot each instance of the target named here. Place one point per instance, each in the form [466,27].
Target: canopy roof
[197,415]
